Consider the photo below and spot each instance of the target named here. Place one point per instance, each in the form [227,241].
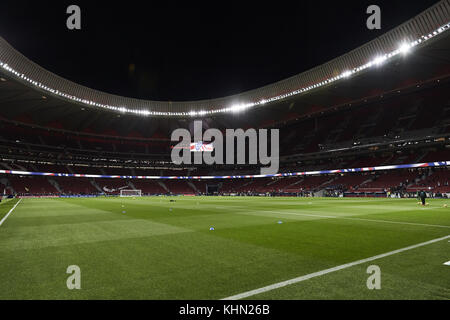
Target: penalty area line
[10,211]
[330,270]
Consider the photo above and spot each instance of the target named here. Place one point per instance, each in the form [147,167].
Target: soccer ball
[445,205]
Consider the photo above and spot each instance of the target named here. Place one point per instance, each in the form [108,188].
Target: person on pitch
[422,196]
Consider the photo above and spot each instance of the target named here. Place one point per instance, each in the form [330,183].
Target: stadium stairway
[71,185]
[434,181]
[6,166]
[22,168]
[292,184]
[321,187]
[32,185]
[246,184]
[320,190]
[292,188]
[69,169]
[389,180]
[193,187]
[280,184]
[131,185]
[271,182]
[149,186]
[55,184]
[163,186]
[319,193]
[421,157]
[96,186]
[6,185]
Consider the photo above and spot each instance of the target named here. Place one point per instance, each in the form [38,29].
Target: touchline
[257,147]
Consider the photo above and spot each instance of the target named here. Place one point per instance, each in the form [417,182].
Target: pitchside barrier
[306,173]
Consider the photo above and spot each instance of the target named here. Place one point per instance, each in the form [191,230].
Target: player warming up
[422,197]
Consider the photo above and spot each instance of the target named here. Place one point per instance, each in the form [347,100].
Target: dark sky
[191,50]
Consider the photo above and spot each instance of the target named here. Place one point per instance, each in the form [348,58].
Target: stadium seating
[179,187]
[74,186]
[404,129]
[390,180]
[350,181]
[437,182]
[32,185]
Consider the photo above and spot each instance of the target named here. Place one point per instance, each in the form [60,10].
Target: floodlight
[379,60]
[405,47]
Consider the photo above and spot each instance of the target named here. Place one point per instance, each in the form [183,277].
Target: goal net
[130,193]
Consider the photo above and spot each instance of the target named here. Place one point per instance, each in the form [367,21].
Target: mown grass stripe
[330,270]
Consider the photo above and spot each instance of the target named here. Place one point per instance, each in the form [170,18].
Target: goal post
[130,193]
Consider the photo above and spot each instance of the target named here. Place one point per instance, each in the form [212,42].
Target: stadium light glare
[404,48]
[378,61]
[237,108]
[346,74]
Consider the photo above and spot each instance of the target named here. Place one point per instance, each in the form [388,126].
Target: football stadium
[93,206]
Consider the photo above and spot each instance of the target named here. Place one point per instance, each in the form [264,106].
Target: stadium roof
[411,35]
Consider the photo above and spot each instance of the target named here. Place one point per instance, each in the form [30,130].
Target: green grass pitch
[151,248]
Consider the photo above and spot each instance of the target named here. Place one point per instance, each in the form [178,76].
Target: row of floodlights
[404,48]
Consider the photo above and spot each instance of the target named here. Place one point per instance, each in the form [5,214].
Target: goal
[130,193]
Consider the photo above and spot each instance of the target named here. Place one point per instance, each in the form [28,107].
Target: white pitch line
[326,271]
[340,217]
[353,218]
[10,211]
[399,222]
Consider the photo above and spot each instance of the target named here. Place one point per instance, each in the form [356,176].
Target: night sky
[191,50]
